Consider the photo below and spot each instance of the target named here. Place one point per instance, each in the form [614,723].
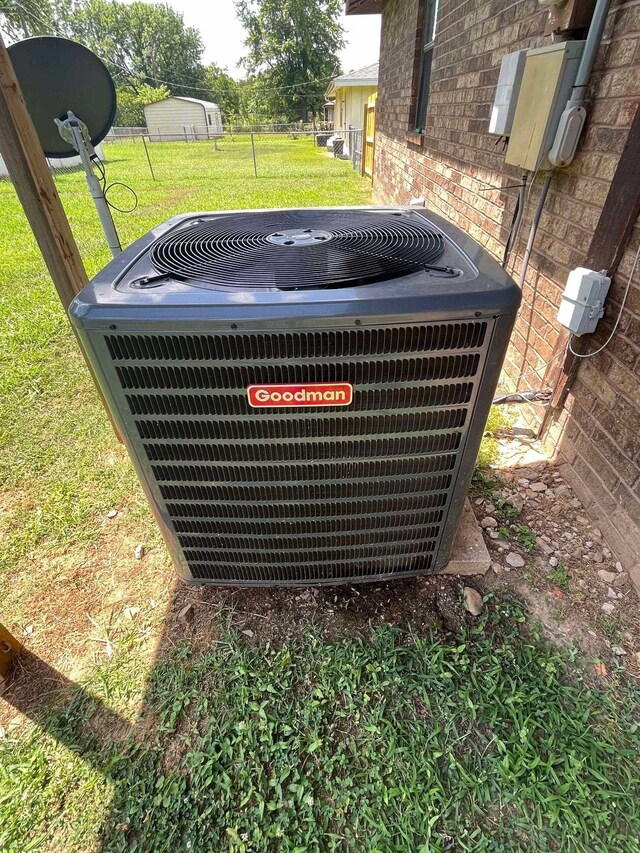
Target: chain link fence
[147,182]
[351,138]
[356,148]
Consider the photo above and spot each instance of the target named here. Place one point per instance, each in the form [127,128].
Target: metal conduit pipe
[574,114]
[594,37]
[534,227]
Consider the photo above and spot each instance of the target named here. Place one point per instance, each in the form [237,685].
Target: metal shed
[181,118]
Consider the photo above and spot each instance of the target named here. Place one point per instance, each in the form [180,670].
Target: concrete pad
[469,555]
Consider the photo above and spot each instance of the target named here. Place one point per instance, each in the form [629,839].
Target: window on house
[209,118]
[428,37]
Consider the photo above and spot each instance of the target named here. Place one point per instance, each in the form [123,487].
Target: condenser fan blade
[298,249]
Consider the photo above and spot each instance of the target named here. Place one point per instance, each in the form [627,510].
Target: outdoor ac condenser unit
[302,392]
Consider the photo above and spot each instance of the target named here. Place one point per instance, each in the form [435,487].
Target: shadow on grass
[342,718]
[44,695]
[222,623]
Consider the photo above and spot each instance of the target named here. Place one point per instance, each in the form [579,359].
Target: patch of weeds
[525,536]
[503,533]
[505,510]
[559,613]
[485,483]
[532,579]
[560,576]
[499,420]
[408,739]
[613,626]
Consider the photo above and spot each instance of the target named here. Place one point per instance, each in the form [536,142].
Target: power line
[206,89]
[211,89]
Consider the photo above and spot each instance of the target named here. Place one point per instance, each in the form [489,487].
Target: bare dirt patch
[69,606]
[76,602]
[277,616]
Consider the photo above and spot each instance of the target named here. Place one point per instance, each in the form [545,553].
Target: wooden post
[28,169]
[10,648]
[619,215]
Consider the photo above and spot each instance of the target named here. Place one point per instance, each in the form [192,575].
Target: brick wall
[457,164]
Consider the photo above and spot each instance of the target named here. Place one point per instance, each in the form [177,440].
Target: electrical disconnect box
[582,302]
[547,82]
[504,104]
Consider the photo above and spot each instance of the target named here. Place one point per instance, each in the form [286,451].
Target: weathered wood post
[28,169]
[10,648]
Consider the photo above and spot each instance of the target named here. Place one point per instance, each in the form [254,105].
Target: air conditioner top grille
[298,249]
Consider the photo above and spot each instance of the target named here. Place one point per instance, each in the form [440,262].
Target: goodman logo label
[312,394]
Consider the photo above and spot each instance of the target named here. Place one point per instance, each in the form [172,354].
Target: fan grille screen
[298,249]
[303,495]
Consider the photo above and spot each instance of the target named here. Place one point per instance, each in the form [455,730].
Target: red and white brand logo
[312,394]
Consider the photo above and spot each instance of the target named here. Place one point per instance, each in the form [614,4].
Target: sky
[223,35]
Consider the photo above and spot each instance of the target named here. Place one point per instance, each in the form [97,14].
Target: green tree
[139,42]
[21,19]
[293,48]
[130,112]
[224,91]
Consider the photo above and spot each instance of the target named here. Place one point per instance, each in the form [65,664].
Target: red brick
[459,161]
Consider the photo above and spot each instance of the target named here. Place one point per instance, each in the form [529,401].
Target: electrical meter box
[547,82]
[582,302]
[506,98]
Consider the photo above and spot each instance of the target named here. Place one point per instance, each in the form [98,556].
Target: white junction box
[582,302]
[504,103]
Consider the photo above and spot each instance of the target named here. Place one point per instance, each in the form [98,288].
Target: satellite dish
[57,75]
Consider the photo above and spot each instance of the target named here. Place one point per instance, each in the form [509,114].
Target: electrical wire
[618,318]
[248,83]
[516,220]
[542,397]
[107,187]
[253,85]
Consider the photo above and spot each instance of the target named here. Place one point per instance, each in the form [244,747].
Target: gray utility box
[507,91]
[582,303]
[547,83]
[302,392]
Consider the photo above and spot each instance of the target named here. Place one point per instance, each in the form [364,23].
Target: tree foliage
[21,19]
[224,91]
[131,104]
[139,42]
[293,49]
[151,53]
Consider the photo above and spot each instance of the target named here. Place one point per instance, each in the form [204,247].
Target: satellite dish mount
[72,101]
[75,132]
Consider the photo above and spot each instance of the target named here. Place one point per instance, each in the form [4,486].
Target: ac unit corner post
[372,339]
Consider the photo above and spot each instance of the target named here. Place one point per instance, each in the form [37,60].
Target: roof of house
[367,76]
[207,104]
[364,7]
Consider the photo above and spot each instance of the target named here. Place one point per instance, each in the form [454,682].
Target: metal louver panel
[311,494]
[391,340]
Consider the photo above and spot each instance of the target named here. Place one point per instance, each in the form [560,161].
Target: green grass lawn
[58,450]
[261,726]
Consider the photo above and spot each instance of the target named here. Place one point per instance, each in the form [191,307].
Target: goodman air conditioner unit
[302,392]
